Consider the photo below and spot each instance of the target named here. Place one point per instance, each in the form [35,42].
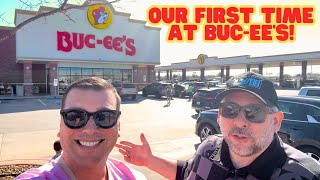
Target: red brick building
[91,41]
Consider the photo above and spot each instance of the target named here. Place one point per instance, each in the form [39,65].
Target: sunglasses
[255,113]
[78,118]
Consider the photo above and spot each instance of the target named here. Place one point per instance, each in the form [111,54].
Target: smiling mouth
[89,143]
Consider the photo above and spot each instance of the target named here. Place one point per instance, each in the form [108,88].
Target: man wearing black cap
[249,120]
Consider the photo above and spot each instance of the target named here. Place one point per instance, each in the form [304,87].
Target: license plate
[198,103]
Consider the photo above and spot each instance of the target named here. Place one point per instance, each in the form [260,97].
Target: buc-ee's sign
[69,41]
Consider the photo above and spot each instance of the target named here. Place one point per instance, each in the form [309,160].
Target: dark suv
[157,88]
[204,99]
[300,127]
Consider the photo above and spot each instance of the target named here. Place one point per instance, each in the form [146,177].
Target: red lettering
[154,15]
[107,42]
[168,15]
[234,35]
[218,15]
[266,32]
[291,15]
[210,32]
[66,41]
[64,37]
[78,43]
[116,44]
[282,30]
[307,15]
[254,32]
[181,15]
[87,41]
[130,50]
[175,32]
[267,14]
[232,13]
[246,14]
[223,32]
[199,14]
[190,30]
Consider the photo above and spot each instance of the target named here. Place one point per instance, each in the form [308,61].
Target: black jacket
[278,161]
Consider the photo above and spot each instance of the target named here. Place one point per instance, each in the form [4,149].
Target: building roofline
[87,2]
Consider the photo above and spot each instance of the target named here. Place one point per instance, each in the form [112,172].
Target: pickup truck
[310,91]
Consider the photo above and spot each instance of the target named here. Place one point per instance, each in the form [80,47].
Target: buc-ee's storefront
[81,42]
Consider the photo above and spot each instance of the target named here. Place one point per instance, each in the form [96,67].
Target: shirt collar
[262,167]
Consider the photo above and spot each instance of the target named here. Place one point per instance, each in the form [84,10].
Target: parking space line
[42,102]
[174,140]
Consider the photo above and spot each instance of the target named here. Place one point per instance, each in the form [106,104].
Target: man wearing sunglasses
[250,148]
[89,129]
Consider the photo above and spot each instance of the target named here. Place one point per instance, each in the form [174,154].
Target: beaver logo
[201,58]
[99,16]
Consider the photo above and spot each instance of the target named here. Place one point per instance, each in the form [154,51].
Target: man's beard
[258,143]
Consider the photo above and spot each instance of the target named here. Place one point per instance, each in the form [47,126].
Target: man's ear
[278,117]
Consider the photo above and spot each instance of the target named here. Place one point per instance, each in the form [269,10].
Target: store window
[68,75]
[117,75]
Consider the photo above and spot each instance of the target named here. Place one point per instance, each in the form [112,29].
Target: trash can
[20,90]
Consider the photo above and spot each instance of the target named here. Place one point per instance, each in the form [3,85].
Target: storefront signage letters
[67,41]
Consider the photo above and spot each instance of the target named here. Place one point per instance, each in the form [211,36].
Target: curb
[24,161]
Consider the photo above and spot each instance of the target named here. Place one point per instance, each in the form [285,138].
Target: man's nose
[90,127]
[241,120]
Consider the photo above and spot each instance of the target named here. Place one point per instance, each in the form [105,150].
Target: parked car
[180,90]
[199,85]
[204,99]
[309,91]
[311,82]
[157,88]
[300,127]
[212,83]
[126,90]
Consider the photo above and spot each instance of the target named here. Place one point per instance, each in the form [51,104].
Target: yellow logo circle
[201,58]
[99,16]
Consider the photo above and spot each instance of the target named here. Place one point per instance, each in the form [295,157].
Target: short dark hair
[91,83]
[57,145]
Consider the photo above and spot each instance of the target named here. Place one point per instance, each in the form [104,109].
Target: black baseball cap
[252,83]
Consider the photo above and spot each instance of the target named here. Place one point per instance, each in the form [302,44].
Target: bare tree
[62,8]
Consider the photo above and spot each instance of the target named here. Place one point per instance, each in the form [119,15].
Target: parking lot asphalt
[28,128]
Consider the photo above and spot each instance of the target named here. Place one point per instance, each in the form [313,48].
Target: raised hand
[139,155]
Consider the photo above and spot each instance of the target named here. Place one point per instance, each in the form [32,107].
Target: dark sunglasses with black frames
[255,113]
[78,118]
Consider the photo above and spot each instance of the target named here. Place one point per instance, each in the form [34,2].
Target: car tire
[181,95]
[206,130]
[144,93]
[158,95]
[134,97]
[312,152]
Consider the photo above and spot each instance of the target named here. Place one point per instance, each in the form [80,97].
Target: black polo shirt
[278,161]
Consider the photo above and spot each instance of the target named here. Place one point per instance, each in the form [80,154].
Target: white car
[310,91]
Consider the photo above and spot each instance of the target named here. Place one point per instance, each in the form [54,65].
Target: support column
[248,67]
[52,67]
[281,79]
[227,73]
[184,74]
[170,75]
[222,74]
[158,75]
[167,74]
[260,68]
[150,73]
[202,74]
[27,79]
[304,72]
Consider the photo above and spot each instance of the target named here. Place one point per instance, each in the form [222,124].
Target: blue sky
[307,37]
